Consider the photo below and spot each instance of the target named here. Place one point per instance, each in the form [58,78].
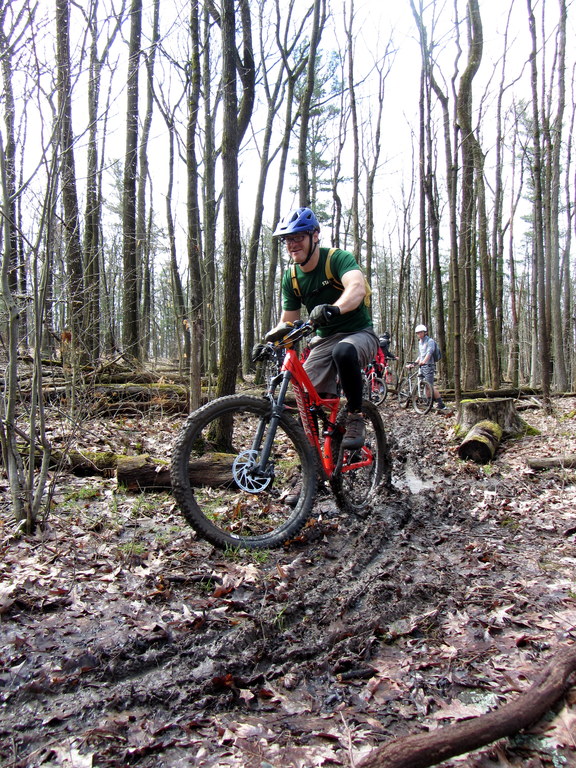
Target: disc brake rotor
[245,476]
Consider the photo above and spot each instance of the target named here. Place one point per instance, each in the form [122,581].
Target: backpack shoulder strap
[338,283]
[329,274]
[294,280]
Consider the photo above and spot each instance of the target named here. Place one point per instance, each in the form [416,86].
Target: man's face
[298,246]
[421,335]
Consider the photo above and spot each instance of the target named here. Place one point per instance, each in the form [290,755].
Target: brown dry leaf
[457,710]
[562,730]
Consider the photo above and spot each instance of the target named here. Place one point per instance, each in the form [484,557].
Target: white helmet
[420,328]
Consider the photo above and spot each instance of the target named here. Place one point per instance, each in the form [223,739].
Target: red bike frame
[310,405]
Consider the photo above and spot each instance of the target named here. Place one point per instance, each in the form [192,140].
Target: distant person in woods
[427,363]
[345,341]
[384,342]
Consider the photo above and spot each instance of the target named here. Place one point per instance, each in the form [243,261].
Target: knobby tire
[423,398]
[356,490]
[378,391]
[214,484]
[404,393]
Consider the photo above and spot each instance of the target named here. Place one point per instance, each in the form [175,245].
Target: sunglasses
[297,239]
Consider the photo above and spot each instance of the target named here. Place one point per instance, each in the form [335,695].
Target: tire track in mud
[321,600]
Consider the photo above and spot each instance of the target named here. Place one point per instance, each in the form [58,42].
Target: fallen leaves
[119,626]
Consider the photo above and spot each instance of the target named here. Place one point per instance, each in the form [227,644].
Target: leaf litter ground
[125,640]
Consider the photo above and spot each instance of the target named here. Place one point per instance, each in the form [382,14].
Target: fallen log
[481,443]
[142,473]
[565,462]
[423,750]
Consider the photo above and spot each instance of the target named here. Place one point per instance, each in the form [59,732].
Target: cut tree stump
[501,410]
[481,443]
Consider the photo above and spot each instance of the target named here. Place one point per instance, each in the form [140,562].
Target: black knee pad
[344,355]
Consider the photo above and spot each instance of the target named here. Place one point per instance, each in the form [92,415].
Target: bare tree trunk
[543,337]
[371,175]
[131,330]
[210,330]
[514,356]
[8,30]
[455,316]
[273,105]
[230,345]
[356,241]
[92,210]
[560,371]
[195,332]
[143,244]
[293,73]
[306,100]
[424,316]
[467,247]
[71,221]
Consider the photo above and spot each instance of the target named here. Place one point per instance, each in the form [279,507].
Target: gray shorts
[320,366]
[428,372]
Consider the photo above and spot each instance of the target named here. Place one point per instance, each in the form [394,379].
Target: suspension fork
[271,426]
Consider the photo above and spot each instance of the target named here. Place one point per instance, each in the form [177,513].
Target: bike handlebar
[288,334]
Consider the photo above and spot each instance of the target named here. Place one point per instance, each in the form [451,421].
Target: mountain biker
[345,341]
[384,342]
[426,362]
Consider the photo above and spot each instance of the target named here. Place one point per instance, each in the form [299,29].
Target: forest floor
[125,640]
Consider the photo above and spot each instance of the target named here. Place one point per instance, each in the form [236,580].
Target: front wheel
[378,391]
[224,491]
[423,397]
[404,394]
[391,380]
[365,471]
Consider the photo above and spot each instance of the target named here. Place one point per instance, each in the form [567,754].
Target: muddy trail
[125,640]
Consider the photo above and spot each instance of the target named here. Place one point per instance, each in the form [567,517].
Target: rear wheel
[378,391]
[391,380]
[224,492]
[404,394]
[423,397]
[366,470]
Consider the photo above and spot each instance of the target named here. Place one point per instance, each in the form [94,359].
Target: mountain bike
[245,469]
[389,377]
[414,389]
[374,388]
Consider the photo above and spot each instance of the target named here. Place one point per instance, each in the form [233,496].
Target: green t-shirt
[315,288]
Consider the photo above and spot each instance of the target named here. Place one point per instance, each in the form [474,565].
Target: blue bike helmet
[300,220]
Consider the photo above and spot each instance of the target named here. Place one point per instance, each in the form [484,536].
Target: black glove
[323,314]
[279,332]
[259,352]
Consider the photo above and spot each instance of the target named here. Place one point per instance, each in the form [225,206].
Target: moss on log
[501,410]
[481,443]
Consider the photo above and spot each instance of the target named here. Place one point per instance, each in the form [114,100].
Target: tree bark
[143,234]
[542,331]
[131,331]
[564,462]
[230,347]
[467,247]
[195,332]
[499,409]
[306,100]
[68,176]
[141,473]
